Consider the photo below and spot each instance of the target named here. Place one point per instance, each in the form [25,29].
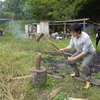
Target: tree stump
[38,73]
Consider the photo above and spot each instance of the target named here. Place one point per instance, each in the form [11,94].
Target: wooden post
[10,25]
[64,30]
[3,27]
[38,74]
[84,25]
[38,61]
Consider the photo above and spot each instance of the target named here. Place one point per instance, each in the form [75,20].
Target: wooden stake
[54,93]
[69,98]
[38,61]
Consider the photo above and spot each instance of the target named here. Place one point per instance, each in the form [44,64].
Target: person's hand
[60,50]
[72,59]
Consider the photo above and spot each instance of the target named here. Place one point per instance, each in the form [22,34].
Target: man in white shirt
[85,52]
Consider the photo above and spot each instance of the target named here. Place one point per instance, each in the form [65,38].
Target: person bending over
[85,52]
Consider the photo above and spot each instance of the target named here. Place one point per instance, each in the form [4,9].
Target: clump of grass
[97,76]
[60,96]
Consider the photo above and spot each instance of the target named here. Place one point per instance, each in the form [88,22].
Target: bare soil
[55,66]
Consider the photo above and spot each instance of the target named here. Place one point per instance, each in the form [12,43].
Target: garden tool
[42,35]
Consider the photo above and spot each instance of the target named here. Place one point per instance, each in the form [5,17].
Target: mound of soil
[54,66]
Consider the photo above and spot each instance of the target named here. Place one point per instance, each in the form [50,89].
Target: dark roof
[3,20]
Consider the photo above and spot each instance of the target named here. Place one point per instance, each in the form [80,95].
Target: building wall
[88,28]
[44,27]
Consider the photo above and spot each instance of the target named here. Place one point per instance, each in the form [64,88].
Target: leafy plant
[60,96]
[97,76]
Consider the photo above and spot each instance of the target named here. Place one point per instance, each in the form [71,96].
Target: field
[17,56]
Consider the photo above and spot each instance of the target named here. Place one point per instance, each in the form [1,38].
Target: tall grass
[17,56]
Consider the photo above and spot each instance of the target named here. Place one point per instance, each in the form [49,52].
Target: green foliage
[87,9]
[9,14]
[1,13]
[38,8]
[42,85]
[97,76]
[60,96]
[93,38]
[63,10]
[13,8]
[50,9]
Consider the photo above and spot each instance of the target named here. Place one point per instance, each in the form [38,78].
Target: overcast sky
[2,0]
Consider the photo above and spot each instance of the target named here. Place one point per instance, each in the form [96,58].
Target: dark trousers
[97,41]
[1,32]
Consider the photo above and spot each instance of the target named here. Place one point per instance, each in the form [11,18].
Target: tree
[8,14]
[39,9]
[14,6]
[50,9]
[3,13]
[1,9]
[88,9]
[63,10]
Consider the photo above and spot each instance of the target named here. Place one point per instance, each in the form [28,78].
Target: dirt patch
[95,65]
[54,66]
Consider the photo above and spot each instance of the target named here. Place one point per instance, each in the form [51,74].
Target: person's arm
[71,45]
[64,49]
[76,57]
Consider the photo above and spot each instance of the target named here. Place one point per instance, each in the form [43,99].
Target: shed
[85,22]
[4,20]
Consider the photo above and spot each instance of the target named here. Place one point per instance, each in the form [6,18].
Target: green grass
[17,56]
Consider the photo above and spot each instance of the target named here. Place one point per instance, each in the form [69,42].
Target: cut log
[57,76]
[38,76]
[20,77]
[28,76]
[79,79]
[69,98]
[54,93]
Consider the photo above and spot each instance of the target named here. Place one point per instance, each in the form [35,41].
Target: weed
[96,76]
[60,96]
